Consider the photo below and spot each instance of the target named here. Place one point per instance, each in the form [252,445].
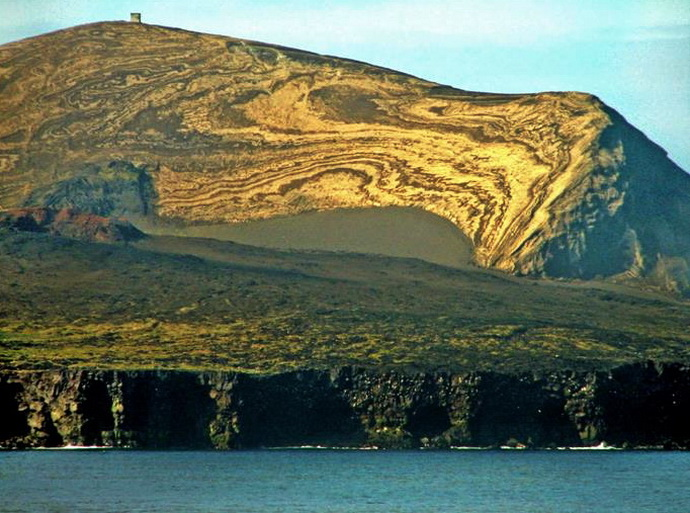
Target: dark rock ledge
[634,406]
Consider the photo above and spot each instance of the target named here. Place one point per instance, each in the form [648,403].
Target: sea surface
[345,481]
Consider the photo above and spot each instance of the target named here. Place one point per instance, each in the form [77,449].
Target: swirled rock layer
[133,119]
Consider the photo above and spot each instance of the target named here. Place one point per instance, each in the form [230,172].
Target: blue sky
[633,54]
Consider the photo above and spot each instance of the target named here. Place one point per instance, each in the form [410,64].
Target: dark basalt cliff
[133,119]
[635,406]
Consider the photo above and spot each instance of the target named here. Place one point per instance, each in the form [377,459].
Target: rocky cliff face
[205,128]
[631,406]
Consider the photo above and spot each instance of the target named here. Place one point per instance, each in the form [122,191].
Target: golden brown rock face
[227,130]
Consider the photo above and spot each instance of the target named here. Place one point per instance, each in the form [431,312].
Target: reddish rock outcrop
[69,223]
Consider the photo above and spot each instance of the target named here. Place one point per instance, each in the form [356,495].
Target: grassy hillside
[169,302]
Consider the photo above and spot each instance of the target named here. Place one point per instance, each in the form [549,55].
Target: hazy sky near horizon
[633,54]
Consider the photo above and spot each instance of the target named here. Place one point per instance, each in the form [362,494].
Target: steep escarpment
[210,129]
[632,406]
[630,217]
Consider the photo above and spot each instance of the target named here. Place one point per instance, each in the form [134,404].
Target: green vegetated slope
[167,302]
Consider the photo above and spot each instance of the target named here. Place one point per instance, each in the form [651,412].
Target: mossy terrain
[68,303]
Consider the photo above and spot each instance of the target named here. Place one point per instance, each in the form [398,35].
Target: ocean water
[345,481]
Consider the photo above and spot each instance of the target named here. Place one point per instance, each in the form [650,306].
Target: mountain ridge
[212,129]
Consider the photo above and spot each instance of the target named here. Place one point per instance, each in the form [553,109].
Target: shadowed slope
[392,231]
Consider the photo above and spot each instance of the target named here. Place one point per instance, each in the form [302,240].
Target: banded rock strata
[213,129]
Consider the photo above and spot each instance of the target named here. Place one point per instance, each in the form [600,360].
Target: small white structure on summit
[135,17]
